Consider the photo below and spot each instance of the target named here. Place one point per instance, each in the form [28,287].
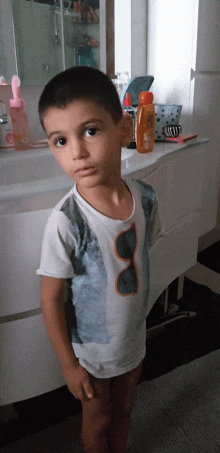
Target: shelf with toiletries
[81,33]
[80,12]
[82,44]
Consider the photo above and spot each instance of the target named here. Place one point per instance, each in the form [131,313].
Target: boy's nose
[78,150]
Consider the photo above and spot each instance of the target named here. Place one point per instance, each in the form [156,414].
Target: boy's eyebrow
[54,132]
[92,120]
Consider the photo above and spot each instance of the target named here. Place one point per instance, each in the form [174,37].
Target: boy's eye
[91,131]
[60,142]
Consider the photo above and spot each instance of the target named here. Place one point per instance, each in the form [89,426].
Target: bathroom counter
[36,171]
[32,183]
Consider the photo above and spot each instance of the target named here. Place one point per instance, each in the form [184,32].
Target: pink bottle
[18,116]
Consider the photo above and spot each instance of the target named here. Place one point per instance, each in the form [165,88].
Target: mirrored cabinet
[52,35]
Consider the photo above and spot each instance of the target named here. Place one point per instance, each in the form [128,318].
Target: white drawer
[20,257]
[29,366]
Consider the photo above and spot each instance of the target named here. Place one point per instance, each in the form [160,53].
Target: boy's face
[87,142]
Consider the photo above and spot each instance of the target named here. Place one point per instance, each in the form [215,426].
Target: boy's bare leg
[123,389]
[96,417]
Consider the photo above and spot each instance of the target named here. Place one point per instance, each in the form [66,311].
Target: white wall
[172,42]
[130,36]
[139,37]
[123,36]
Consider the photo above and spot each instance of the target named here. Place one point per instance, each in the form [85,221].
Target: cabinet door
[178,184]
[173,255]
[206,118]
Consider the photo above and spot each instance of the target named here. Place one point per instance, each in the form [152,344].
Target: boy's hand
[78,382]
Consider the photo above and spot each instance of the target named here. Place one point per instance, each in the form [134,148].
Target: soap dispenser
[19,117]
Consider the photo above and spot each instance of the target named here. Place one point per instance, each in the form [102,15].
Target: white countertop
[162,150]
[132,162]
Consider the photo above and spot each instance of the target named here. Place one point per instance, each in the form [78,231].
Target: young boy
[96,241]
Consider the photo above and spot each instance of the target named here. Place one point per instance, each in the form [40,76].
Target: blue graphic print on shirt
[88,286]
[148,198]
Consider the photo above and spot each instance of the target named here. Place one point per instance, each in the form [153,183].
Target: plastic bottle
[6,134]
[145,136]
[18,116]
[128,108]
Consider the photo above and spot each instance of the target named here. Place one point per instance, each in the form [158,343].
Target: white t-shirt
[105,262]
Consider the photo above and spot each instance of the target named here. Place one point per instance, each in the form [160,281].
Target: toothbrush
[15,86]
[2,80]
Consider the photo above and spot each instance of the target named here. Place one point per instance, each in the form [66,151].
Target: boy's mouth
[85,170]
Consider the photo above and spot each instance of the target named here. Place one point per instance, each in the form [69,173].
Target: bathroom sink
[26,166]
[34,165]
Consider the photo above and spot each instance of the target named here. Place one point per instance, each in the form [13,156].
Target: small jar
[6,133]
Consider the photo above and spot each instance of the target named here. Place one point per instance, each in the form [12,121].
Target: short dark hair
[80,82]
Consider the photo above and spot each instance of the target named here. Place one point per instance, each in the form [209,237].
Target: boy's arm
[52,306]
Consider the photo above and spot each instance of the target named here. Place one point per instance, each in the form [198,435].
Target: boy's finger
[88,390]
[81,393]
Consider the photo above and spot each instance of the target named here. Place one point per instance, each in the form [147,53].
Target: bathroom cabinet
[178,179]
[176,172]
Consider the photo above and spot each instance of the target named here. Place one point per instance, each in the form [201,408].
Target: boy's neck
[109,199]
[110,192]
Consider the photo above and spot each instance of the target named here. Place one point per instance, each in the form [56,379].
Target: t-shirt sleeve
[57,248]
[156,229]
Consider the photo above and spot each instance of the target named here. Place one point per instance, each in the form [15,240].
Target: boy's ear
[126,129]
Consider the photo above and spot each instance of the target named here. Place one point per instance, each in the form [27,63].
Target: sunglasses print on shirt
[125,246]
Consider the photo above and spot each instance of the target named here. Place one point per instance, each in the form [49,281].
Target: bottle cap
[16,101]
[146,97]
[2,108]
[127,100]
